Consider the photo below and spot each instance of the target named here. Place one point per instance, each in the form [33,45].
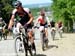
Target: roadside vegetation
[64,10]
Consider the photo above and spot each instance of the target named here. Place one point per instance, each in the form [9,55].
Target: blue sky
[28,2]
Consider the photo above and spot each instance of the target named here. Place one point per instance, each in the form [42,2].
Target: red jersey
[41,20]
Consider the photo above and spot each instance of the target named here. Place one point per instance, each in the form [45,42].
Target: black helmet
[17,4]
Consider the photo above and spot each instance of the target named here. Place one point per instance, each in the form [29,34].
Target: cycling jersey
[43,21]
[60,24]
[24,17]
[52,23]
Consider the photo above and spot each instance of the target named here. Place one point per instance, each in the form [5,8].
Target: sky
[28,2]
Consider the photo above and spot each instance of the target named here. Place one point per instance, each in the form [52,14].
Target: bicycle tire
[53,34]
[0,36]
[60,33]
[27,48]
[17,46]
[43,43]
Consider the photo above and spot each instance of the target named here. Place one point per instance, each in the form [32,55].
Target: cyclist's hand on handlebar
[9,30]
[9,27]
[36,27]
[48,25]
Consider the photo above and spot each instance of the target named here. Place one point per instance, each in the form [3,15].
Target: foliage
[6,7]
[64,10]
[35,11]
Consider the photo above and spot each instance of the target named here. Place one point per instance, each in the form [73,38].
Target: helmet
[17,4]
[42,12]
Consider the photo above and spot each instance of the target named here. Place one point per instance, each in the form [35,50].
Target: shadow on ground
[41,55]
[52,46]
[55,39]
[58,38]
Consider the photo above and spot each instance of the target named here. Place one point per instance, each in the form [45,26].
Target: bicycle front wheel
[19,48]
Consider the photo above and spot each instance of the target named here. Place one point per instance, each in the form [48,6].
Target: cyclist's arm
[39,19]
[48,21]
[30,15]
[31,18]
[11,22]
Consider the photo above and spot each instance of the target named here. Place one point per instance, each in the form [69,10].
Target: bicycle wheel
[19,48]
[53,34]
[43,43]
[0,36]
[60,33]
[46,43]
[27,47]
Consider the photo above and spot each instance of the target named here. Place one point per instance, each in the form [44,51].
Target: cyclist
[52,26]
[60,24]
[43,21]
[26,19]
[52,23]
[2,25]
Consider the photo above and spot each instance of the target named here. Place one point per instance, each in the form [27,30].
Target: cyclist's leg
[18,27]
[31,39]
[30,34]
[46,31]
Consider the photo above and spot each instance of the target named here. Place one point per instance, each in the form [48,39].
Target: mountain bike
[60,31]
[53,32]
[2,34]
[44,40]
[22,43]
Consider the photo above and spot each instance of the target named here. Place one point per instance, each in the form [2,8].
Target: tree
[64,10]
[6,7]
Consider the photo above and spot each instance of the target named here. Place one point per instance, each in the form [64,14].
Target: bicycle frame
[25,40]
